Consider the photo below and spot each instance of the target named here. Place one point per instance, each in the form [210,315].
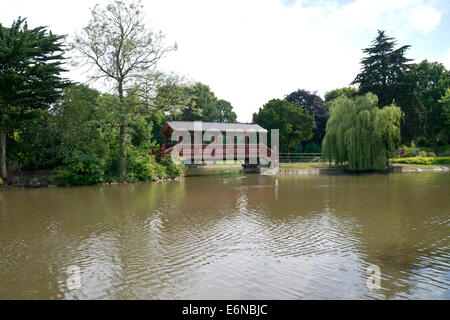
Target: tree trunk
[122,152]
[4,172]
[122,138]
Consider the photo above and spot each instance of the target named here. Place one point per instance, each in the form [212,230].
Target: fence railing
[299,157]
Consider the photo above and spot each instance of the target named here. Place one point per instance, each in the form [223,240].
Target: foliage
[445,104]
[81,169]
[310,147]
[360,133]
[383,68]
[385,71]
[36,142]
[123,51]
[143,167]
[294,123]
[349,92]
[30,66]
[80,121]
[432,80]
[423,160]
[225,111]
[173,168]
[203,105]
[316,107]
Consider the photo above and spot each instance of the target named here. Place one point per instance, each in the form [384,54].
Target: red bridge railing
[236,151]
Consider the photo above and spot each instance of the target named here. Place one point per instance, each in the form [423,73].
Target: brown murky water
[230,236]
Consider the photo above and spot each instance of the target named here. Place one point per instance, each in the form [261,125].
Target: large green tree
[225,110]
[383,69]
[431,80]
[30,73]
[360,134]
[125,52]
[203,105]
[445,103]
[316,107]
[294,123]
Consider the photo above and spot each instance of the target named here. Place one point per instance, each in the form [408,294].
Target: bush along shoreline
[82,170]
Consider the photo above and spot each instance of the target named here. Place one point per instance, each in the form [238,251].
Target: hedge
[423,160]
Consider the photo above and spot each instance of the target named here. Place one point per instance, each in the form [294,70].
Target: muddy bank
[47,178]
[30,179]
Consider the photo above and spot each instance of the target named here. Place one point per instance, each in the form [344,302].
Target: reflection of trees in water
[400,227]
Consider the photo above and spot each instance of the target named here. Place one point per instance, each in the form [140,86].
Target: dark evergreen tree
[383,69]
[30,67]
[385,72]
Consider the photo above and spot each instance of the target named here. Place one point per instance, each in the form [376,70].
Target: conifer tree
[383,69]
[30,67]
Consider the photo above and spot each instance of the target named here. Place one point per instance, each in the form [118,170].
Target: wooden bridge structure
[240,149]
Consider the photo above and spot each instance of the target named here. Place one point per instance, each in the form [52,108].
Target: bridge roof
[171,126]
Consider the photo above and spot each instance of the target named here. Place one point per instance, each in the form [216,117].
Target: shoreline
[45,179]
[395,168]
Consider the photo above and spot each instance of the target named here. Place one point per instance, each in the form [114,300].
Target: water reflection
[230,236]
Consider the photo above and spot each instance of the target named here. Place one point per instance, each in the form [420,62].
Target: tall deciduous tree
[431,80]
[360,134]
[124,52]
[445,103]
[295,123]
[226,113]
[30,67]
[203,105]
[315,106]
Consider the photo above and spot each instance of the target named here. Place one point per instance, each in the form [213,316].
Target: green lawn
[303,166]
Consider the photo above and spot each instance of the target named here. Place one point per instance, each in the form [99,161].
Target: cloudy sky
[250,51]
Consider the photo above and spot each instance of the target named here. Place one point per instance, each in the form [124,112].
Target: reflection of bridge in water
[247,144]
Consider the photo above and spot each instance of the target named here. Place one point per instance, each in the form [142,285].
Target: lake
[230,236]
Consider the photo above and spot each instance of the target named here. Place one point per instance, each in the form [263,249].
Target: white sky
[250,51]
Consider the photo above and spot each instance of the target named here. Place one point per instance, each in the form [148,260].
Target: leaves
[295,123]
[359,133]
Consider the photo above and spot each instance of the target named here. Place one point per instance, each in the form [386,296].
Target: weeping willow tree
[360,134]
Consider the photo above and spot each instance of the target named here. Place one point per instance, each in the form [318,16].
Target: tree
[432,80]
[445,103]
[226,113]
[383,69]
[360,133]
[295,123]
[124,52]
[79,120]
[203,105]
[30,67]
[315,106]
[349,92]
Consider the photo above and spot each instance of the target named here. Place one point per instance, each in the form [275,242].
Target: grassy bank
[323,167]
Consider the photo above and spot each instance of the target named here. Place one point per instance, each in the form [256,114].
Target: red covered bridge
[246,143]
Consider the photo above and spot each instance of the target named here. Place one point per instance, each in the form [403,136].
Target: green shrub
[142,166]
[173,168]
[81,169]
[423,160]
[422,154]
